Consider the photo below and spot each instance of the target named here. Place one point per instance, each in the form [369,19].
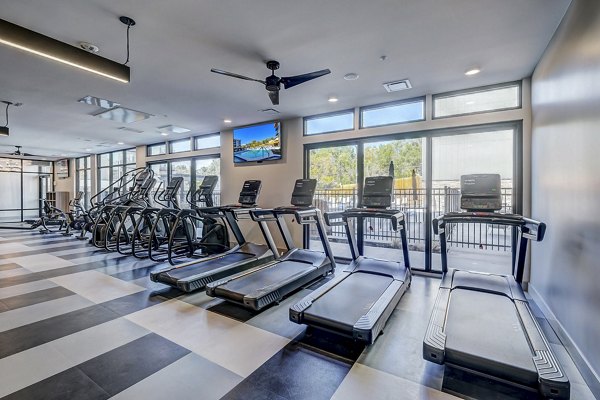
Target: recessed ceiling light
[120,143]
[472,71]
[332,99]
[98,102]
[352,76]
[123,115]
[164,134]
[227,121]
[396,86]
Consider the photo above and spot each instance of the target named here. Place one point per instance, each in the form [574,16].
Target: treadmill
[359,303]
[196,274]
[267,284]
[482,323]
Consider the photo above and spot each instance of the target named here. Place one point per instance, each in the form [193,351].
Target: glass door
[335,169]
[479,247]
[406,160]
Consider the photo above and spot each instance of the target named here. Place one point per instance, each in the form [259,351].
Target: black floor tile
[36,297]
[3,307]
[81,255]
[69,384]
[137,273]
[293,373]
[124,366]
[33,252]
[37,333]
[233,311]
[133,302]
[6,267]
[19,279]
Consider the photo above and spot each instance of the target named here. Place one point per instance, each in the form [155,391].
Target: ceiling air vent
[396,86]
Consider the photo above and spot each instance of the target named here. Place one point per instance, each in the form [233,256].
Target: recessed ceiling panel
[123,115]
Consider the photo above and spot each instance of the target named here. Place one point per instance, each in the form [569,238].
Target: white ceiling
[175,43]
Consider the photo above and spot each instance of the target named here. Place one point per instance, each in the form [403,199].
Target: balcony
[477,246]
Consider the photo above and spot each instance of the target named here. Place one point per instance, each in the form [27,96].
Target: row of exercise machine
[481,323]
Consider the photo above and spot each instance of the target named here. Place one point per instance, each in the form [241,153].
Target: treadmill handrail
[397,217]
[304,215]
[531,229]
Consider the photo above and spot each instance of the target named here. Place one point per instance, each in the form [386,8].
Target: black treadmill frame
[370,325]
[552,380]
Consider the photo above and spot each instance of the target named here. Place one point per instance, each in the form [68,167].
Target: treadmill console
[377,192]
[480,192]
[249,193]
[304,192]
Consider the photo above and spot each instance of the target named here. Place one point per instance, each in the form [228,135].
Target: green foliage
[336,166]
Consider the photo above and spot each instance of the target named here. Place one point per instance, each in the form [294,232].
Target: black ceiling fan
[19,153]
[273,83]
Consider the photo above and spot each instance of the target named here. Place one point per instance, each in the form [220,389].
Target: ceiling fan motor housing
[272,83]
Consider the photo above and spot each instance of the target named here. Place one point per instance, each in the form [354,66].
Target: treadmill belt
[275,274]
[349,300]
[484,333]
[207,265]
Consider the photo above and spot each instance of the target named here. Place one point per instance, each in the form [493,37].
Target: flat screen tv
[257,143]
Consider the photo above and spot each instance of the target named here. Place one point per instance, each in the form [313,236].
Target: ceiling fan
[18,152]
[273,83]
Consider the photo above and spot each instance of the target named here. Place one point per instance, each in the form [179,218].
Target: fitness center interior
[299,200]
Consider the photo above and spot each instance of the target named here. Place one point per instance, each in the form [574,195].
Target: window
[179,146]
[207,142]
[111,166]
[328,123]
[156,149]
[485,99]
[83,179]
[392,113]
[193,171]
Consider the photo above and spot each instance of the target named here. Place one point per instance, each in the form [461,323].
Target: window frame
[171,142]
[478,89]
[149,146]
[329,114]
[110,167]
[195,141]
[421,99]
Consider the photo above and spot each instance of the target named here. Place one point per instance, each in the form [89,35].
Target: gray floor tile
[191,377]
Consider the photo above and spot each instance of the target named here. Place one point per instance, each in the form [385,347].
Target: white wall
[566,184]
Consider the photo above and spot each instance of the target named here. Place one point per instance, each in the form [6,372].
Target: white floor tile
[234,345]
[40,262]
[26,315]
[13,272]
[191,377]
[364,382]
[25,288]
[96,286]
[7,248]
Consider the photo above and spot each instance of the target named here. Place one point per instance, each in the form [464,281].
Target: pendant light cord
[128,27]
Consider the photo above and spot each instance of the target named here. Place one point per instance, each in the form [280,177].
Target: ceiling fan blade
[291,81]
[220,71]
[274,96]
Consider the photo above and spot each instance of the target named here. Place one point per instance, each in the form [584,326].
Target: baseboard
[588,374]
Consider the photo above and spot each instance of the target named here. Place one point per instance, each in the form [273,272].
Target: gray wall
[565,272]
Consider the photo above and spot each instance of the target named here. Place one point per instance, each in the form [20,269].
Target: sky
[256,132]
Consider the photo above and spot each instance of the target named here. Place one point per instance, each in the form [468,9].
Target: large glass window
[207,141]
[421,193]
[83,179]
[156,149]
[392,113]
[179,146]
[483,99]
[111,166]
[24,183]
[327,123]
[193,170]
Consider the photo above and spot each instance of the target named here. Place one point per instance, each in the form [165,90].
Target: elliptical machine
[195,232]
[145,236]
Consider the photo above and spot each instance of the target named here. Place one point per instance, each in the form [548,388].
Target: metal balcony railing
[378,232]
